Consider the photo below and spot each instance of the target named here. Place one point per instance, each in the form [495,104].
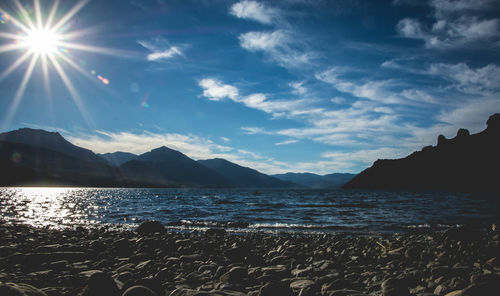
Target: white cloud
[485,80]
[456,23]
[376,90]
[165,54]
[418,95]
[160,49]
[260,102]
[286,142]
[265,41]
[191,145]
[337,100]
[251,130]
[215,90]
[298,88]
[447,6]
[254,10]
[471,115]
[280,46]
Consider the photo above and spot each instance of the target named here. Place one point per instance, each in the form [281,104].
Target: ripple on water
[311,210]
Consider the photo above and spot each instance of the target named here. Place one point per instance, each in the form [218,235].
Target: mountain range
[465,163]
[37,157]
[330,181]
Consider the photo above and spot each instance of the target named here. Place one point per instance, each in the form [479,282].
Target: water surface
[246,210]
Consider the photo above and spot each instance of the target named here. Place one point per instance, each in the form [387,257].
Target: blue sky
[296,85]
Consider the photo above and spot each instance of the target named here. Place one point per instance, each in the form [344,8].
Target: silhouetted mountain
[28,164]
[49,140]
[466,163]
[170,167]
[245,177]
[330,181]
[118,158]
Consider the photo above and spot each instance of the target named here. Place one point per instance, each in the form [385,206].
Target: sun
[42,41]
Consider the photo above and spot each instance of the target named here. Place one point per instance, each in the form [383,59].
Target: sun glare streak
[38,14]
[52,13]
[15,65]
[8,35]
[70,14]
[20,91]
[89,48]
[77,67]
[10,47]
[71,89]
[25,14]
[15,21]
[44,38]
[46,77]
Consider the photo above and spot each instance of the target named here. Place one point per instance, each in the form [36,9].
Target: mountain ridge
[315,181]
[117,158]
[465,163]
[243,176]
[37,157]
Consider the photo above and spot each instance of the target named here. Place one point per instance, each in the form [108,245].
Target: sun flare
[42,41]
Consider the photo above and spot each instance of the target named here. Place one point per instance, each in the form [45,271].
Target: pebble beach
[154,261]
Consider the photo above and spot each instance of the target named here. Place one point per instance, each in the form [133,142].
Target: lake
[247,210]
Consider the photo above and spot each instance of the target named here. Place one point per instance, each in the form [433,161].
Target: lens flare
[103,80]
[44,39]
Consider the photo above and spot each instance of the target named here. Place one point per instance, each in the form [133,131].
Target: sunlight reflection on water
[54,207]
[304,210]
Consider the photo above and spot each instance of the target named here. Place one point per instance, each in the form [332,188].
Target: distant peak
[463,133]
[162,148]
[29,132]
[493,122]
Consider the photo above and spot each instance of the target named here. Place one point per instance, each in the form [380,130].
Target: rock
[483,284]
[185,292]
[493,122]
[301,284]
[152,284]
[394,287]
[465,234]
[441,140]
[139,291]
[150,227]
[235,275]
[462,133]
[52,291]
[215,232]
[190,257]
[144,264]
[302,272]
[11,289]
[274,289]
[122,247]
[345,292]
[101,283]
[413,253]
[440,290]
[236,253]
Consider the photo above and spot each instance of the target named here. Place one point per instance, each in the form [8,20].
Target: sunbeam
[74,94]
[15,65]
[20,90]
[45,40]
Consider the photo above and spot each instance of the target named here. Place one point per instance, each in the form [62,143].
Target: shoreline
[89,261]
